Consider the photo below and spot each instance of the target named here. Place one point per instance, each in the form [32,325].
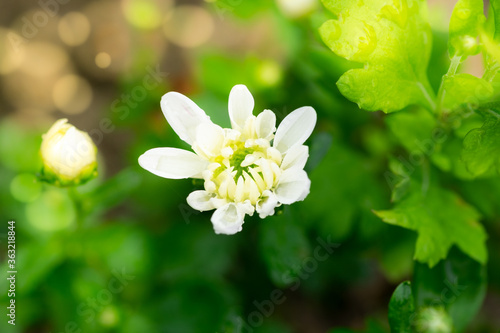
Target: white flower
[297,8]
[249,167]
[68,155]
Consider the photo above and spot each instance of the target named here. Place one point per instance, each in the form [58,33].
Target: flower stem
[455,62]
[491,71]
[77,204]
[428,94]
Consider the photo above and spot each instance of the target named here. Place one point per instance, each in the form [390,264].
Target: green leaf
[466,19]
[413,129]
[284,246]
[481,148]
[447,157]
[465,88]
[355,193]
[483,194]
[457,284]
[442,219]
[495,9]
[401,309]
[492,49]
[393,41]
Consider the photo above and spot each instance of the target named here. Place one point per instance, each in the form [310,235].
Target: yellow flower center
[243,171]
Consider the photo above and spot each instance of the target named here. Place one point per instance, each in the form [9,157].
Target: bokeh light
[269,73]
[110,34]
[72,94]
[189,26]
[102,60]
[44,59]
[145,14]
[31,87]
[52,211]
[74,28]
[25,187]
[12,50]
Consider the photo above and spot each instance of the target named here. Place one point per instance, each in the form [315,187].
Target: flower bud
[297,8]
[68,155]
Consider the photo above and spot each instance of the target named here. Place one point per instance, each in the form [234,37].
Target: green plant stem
[455,62]
[491,71]
[428,94]
[75,197]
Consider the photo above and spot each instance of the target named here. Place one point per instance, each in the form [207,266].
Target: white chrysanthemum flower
[249,167]
[68,155]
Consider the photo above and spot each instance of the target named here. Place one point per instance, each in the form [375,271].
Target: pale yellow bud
[68,155]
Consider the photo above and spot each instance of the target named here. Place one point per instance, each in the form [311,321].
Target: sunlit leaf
[466,19]
[481,149]
[393,41]
[442,219]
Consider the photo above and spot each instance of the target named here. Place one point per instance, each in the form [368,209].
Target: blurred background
[126,253]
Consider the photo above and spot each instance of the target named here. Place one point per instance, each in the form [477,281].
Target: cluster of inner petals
[243,166]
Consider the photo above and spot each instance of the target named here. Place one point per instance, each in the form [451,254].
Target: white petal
[200,200]
[274,154]
[252,188]
[258,179]
[240,190]
[173,163]
[246,207]
[267,172]
[265,207]
[210,138]
[265,125]
[294,186]
[241,105]
[183,115]
[296,157]
[295,128]
[228,219]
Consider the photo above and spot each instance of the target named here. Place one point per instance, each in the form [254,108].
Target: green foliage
[433,320]
[457,284]
[394,43]
[465,89]
[465,22]
[413,129]
[495,14]
[330,259]
[481,150]
[440,299]
[284,246]
[355,193]
[442,219]
[401,309]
